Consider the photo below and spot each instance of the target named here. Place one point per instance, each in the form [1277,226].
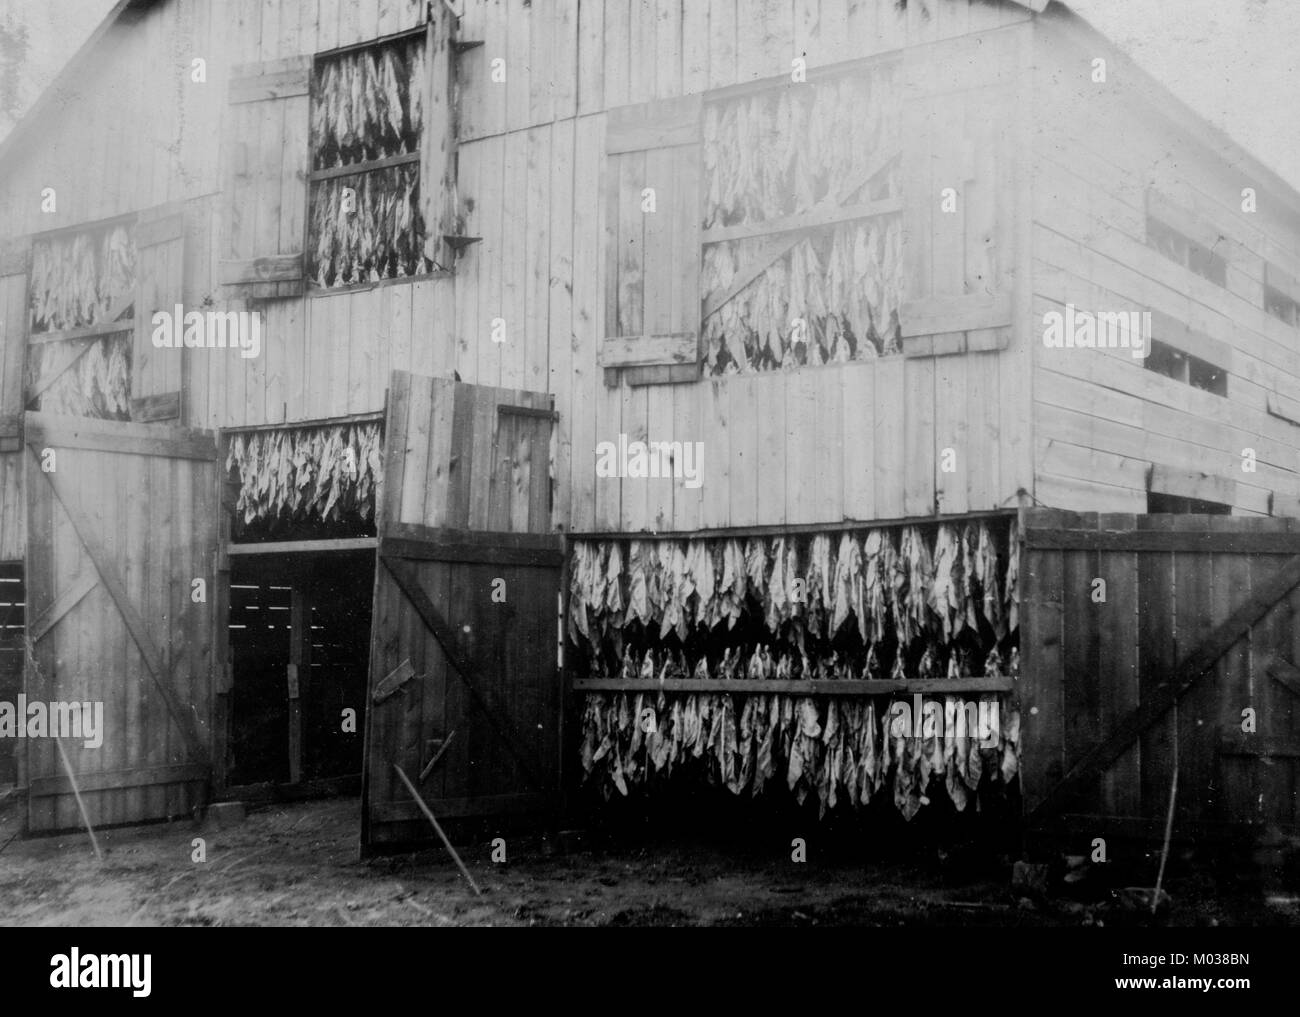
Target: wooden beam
[510,410]
[659,374]
[112,323]
[1172,688]
[1139,828]
[408,580]
[375,417]
[634,351]
[61,605]
[306,546]
[135,625]
[437,756]
[269,268]
[1285,674]
[823,215]
[51,376]
[418,550]
[464,808]
[299,667]
[1259,746]
[778,245]
[802,687]
[291,77]
[766,251]
[165,406]
[48,429]
[160,231]
[433,543]
[937,315]
[84,332]
[394,680]
[365,167]
[660,124]
[1189,541]
[1191,484]
[114,780]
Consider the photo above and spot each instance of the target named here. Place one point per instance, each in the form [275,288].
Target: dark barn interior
[294,679]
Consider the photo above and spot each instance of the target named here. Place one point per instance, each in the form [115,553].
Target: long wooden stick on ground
[80,804]
[1169,829]
[428,814]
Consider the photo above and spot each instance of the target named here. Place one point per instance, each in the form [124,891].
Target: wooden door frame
[223,719]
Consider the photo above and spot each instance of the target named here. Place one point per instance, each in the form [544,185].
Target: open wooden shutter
[265,197]
[160,259]
[438,199]
[653,259]
[15,261]
[958,281]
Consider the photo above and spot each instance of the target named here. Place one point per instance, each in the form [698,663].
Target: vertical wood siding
[817,445]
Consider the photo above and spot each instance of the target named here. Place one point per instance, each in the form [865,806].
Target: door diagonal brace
[407,578]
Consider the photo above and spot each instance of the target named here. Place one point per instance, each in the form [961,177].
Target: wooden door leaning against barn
[122,519]
[1154,643]
[464,683]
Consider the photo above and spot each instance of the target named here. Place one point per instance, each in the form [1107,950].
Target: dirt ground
[297,865]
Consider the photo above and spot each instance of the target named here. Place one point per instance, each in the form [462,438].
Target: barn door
[464,684]
[1154,643]
[121,521]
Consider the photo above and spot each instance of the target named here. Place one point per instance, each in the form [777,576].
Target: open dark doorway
[299,648]
[13,599]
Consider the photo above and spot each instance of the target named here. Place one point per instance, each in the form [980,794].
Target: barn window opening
[1174,363]
[367,122]
[80,307]
[305,483]
[803,229]
[801,615]
[299,642]
[1277,301]
[1158,503]
[13,606]
[1179,247]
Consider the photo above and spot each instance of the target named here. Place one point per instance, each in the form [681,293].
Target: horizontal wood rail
[802,686]
[463,808]
[1189,541]
[782,529]
[95,331]
[302,546]
[357,168]
[803,221]
[1260,746]
[114,780]
[428,543]
[376,417]
[47,429]
[510,410]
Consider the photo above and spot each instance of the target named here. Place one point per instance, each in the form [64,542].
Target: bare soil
[298,865]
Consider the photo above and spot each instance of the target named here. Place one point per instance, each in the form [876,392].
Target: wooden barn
[468,389]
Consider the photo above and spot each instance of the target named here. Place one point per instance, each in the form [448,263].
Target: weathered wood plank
[1162,693]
